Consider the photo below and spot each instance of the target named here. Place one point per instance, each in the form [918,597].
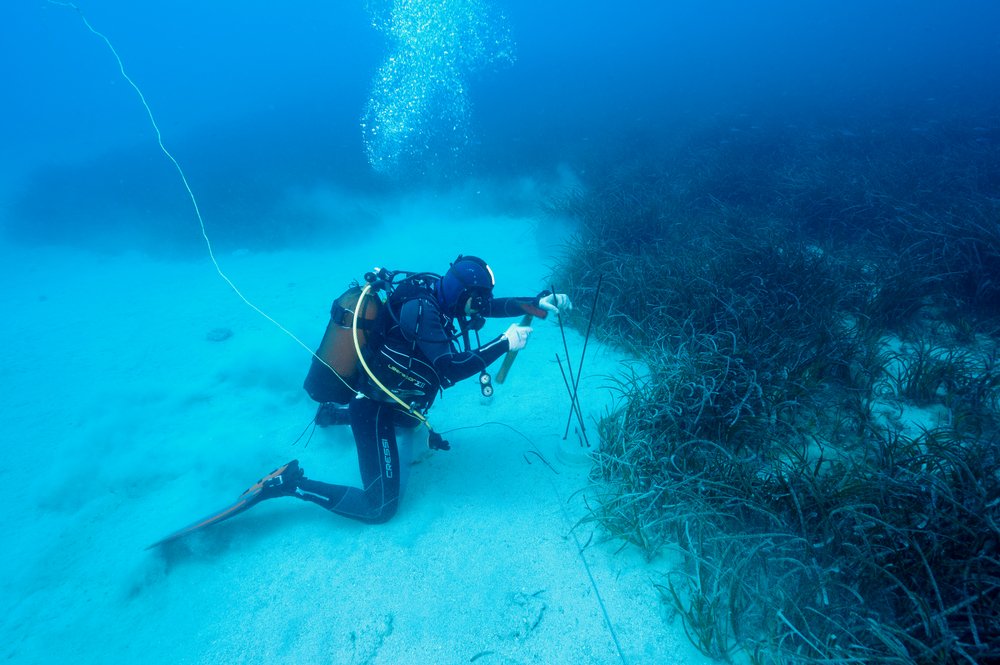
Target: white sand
[121,423]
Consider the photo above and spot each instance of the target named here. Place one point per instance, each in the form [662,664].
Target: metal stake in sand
[579,370]
[573,404]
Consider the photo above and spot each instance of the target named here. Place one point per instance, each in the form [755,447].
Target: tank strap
[344,318]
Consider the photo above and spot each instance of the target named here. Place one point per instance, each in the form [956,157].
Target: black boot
[331,413]
[280,482]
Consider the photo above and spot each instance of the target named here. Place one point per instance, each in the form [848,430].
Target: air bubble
[418,109]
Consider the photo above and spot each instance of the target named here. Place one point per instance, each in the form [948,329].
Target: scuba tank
[359,318]
[337,349]
[334,371]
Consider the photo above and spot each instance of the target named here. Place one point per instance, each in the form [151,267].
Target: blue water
[299,121]
[256,99]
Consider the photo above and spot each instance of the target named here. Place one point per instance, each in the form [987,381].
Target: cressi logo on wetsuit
[386,456]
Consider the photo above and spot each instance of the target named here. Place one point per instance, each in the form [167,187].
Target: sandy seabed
[124,419]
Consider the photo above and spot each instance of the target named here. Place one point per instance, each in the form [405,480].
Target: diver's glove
[517,336]
[557,303]
[436,442]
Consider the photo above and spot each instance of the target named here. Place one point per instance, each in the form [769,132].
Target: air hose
[434,441]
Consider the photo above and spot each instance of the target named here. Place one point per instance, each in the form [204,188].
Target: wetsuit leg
[373,424]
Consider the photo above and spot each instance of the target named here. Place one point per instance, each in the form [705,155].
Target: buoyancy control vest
[378,359]
[395,361]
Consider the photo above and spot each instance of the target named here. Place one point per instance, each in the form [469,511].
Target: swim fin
[280,482]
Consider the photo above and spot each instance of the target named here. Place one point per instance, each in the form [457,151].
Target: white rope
[180,171]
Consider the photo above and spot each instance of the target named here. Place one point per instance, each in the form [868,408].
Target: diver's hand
[436,442]
[557,303]
[517,336]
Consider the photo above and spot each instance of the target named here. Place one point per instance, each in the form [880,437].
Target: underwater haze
[264,105]
[778,221]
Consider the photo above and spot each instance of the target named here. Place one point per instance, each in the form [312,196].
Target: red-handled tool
[530,312]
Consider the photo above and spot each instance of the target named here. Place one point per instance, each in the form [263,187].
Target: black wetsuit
[418,355]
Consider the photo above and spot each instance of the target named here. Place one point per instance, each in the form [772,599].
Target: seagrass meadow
[813,424]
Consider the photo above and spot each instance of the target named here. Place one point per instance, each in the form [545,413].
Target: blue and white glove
[557,303]
[517,336]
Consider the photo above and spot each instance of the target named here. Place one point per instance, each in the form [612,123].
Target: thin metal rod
[579,371]
[572,382]
[569,391]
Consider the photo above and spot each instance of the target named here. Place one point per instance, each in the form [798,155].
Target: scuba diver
[419,345]
[389,349]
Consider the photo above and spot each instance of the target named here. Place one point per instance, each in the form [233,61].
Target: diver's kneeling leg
[378,460]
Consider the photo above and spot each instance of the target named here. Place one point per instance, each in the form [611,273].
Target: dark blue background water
[255,97]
